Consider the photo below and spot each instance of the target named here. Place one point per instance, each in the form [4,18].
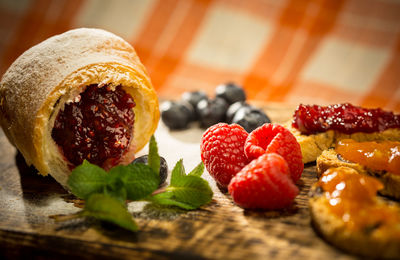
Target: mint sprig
[106,208]
[185,191]
[106,193]
[198,170]
[87,179]
[154,157]
[115,188]
[139,180]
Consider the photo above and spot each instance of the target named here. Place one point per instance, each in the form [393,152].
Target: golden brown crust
[391,134]
[313,145]
[365,242]
[329,159]
[55,71]
[334,231]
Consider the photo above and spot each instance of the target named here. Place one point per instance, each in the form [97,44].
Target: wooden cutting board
[220,230]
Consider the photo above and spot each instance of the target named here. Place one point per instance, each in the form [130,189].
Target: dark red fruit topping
[97,128]
[345,118]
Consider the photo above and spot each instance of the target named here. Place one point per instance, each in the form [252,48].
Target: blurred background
[292,51]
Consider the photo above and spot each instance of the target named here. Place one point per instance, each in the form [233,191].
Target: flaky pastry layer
[45,77]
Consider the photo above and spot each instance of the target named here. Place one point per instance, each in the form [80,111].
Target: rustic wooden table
[220,230]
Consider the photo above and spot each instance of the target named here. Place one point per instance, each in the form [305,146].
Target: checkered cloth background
[293,51]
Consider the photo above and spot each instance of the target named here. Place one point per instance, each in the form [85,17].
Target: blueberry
[194,97]
[250,118]
[163,166]
[233,109]
[230,92]
[176,115]
[212,111]
[189,109]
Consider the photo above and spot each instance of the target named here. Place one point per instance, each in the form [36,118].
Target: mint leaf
[185,191]
[87,179]
[167,199]
[177,172]
[106,208]
[154,158]
[115,188]
[191,190]
[138,179]
[198,170]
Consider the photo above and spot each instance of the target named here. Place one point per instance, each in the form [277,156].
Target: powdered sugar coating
[55,71]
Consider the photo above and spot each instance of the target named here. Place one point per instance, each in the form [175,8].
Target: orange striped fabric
[293,51]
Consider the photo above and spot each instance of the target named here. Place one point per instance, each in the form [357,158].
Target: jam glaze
[96,126]
[379,156]
[352,197]
[344,118]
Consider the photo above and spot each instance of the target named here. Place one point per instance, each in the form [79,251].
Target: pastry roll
[83,94]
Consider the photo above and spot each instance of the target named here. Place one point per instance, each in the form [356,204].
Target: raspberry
[265,183]
[274,138]
[222,151]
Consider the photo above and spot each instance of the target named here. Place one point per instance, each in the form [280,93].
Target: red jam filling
[97,128]
[344,118]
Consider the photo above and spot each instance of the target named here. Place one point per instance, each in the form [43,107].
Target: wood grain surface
[219,230]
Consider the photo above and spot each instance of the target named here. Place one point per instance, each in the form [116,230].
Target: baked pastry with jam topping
[347,213]
[380,159]
[318,128]
[80,95]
